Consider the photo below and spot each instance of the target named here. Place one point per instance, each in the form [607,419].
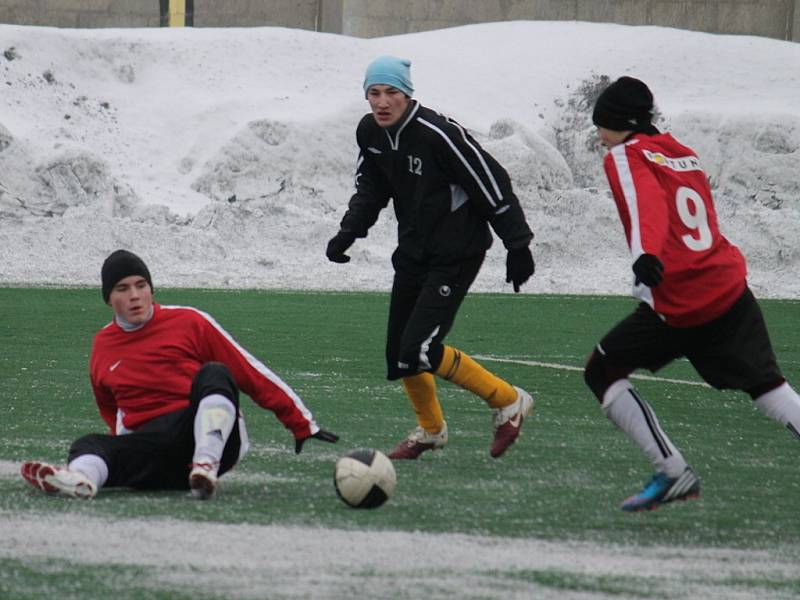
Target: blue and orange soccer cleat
[662,489]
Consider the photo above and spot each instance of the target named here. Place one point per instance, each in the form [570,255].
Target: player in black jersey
[446,192]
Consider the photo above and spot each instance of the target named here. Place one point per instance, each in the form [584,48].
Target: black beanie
[119,265]
[625,105]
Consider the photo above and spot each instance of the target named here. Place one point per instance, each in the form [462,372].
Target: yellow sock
[421,390]
[461,369]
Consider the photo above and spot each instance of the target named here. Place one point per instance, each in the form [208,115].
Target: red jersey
[142,374]
[665,204]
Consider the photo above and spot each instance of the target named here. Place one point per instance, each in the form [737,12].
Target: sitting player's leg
[640,341]
[215,400]
[86,472]
[71,481]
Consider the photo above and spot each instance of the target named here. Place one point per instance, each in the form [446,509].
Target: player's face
[611,138]
[132,299]
[387,103]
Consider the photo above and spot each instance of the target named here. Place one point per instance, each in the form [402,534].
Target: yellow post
[177,13]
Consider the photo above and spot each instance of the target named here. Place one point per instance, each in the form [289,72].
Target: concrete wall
[769,18]
[778,19]
[297,14]
[302,14]
[81,13]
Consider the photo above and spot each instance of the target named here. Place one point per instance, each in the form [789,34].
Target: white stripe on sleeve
[466,164]
[258,366]
[628,188]
[629,194]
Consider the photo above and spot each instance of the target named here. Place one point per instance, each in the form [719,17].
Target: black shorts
[158,455]
[731,352]
[423,307]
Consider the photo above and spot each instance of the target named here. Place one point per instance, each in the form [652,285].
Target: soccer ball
[364,478]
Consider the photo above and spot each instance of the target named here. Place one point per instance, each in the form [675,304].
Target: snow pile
[225,157]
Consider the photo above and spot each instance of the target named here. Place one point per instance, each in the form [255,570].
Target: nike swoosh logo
[516,420]
[115,365]
[374,150]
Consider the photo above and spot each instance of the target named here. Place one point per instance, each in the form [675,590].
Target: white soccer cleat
[203,481]
[55,480]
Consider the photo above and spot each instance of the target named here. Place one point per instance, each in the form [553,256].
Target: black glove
[519,266]
[338,244]
[648,270]
[325,436]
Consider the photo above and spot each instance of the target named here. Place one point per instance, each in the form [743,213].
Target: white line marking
[544,365]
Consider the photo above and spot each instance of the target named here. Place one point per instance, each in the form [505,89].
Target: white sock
[213,424]
[628,411]
[783,405]
[91,465]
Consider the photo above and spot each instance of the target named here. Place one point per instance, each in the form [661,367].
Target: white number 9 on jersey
[692,212]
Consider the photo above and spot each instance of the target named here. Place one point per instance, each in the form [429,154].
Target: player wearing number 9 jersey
[692,283]
[665,204]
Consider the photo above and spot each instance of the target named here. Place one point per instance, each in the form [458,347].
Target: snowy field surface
[225,157]
[314,562]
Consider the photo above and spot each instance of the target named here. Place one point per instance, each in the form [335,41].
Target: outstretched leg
[511,404]
[56,480]
[782,404]
[622,404]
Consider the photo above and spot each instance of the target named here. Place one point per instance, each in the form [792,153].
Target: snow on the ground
[225,157]
[256,561]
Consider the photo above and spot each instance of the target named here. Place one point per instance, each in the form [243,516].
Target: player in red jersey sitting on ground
[166,380]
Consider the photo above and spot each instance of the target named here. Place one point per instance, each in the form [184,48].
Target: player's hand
[519,266]
[337,246]
[325,436]
[648,270]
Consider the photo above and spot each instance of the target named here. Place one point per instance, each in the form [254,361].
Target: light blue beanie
[390,70]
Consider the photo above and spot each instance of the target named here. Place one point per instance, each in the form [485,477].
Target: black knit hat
[625,105]
[119,265]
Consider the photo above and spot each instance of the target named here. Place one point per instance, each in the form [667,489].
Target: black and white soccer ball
[364,478]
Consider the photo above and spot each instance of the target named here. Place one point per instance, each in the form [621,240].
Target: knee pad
[408,360]
[599,374]
[214,378]
[406,365]
[414,359]
[89,444]
[759,390]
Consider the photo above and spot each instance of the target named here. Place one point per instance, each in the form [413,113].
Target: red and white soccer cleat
[55,480]
[508,422]
[203,480]
[417,442]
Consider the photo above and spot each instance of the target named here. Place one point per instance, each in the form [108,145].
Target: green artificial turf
[564,479]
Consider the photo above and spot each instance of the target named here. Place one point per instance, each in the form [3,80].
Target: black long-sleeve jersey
[445,187]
